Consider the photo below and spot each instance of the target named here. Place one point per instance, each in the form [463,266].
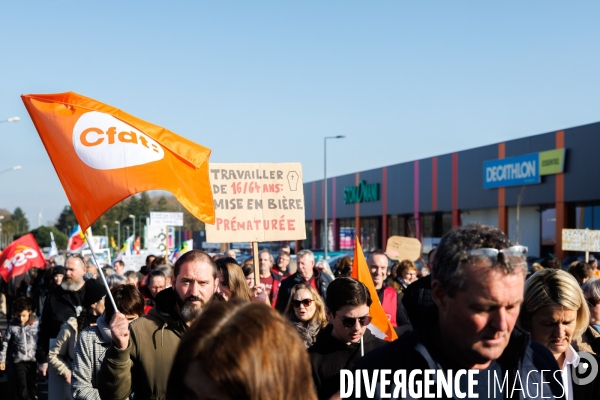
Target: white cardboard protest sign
[166,218]
[257,203]
[403,248]
[581,240]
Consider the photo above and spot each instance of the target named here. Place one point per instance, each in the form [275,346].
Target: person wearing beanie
[63,351]
[58,273]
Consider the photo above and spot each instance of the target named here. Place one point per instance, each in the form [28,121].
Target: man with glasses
[477,286]
[283,263]
[338,345]
[62,302]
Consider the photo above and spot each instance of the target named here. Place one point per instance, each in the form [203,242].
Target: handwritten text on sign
[257,203]
[580,240]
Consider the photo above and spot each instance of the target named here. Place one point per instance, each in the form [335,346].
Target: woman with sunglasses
[590,339]
[555,313]
[346,339]
[307,312]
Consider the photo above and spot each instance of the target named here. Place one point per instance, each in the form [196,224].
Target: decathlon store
[531,188]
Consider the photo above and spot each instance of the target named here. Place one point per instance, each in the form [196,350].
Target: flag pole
[112,300]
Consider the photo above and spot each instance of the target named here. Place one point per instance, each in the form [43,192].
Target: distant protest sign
[581,240]
[403,248]
[257,203]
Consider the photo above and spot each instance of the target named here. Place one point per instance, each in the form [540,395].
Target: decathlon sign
[522,170]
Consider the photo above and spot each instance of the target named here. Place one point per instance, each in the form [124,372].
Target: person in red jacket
[392,305]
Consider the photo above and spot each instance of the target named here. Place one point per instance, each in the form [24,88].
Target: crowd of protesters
[205,328]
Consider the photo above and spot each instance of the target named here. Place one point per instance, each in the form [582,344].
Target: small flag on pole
[53,249]
[380,325]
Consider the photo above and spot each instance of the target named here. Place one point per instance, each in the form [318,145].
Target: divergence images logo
[587,370]
[20,257]
[103,142]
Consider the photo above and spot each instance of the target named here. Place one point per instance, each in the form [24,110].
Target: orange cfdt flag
[379,321]
[103,155]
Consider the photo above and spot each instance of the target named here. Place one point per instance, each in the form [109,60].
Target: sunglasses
[350,322]
[514,255]
[593,302]
[74,255]
[304,302]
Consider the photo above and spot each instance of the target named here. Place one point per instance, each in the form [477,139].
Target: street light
[11,119]
[326,237]
[118,235]
[1,242]
[105,231]
[127,228]
[15,168]
[133,218]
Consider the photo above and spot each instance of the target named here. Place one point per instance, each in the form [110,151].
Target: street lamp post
[1,241]
[15,168]
[118,235]
[133,218]
[127,228]
[326,237]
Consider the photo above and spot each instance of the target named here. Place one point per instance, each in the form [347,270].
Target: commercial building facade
[531,188]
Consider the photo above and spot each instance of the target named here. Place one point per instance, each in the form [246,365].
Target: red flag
[19,256]
[380,325]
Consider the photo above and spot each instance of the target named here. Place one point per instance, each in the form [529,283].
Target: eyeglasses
[304,302]
[514,255]
[350,322]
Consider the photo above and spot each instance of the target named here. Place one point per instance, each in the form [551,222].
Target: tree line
[118,217]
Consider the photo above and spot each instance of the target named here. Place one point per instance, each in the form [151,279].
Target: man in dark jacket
[307,274]
[62,302]
[339,346]
[477,285]
[141,356]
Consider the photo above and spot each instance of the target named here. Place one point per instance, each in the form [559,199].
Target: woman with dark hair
[232,282]
[307,312]
[63,351]
[95,340]
[344,267]
[223,356]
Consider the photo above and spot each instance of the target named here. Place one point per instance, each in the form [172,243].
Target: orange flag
[380,324]
[103,155]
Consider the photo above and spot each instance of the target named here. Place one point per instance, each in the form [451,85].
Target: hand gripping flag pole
[112,300]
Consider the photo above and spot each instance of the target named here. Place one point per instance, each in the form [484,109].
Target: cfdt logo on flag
[103,142]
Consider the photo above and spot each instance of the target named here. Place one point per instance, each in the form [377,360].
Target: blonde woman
[554,311]
[307,312]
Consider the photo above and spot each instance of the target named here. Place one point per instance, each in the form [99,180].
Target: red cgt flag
[19,256]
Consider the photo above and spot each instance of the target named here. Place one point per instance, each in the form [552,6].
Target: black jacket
[60,305]
[328,356]
[287,284]
[417,298]
[420,350]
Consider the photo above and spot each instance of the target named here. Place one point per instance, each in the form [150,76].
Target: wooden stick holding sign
[256,261]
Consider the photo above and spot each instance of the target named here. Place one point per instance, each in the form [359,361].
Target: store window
[330,234]
[307,243]
[347,229]
[370,233]
[587,217]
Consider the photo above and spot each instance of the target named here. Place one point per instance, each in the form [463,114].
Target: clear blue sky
[264,81]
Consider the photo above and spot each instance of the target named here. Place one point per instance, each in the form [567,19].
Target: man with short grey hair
[307,274]
[477,286]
